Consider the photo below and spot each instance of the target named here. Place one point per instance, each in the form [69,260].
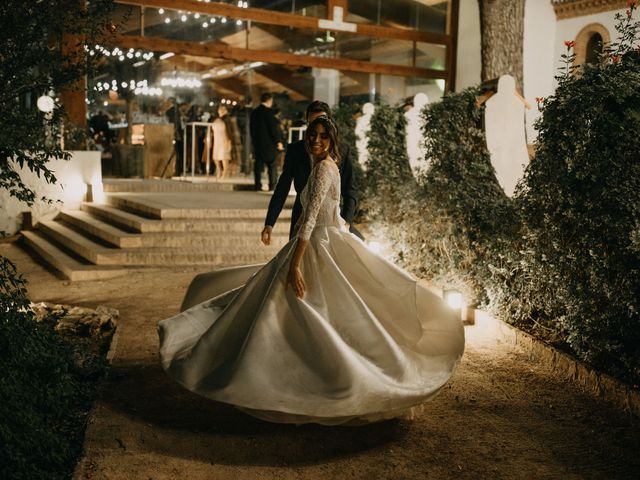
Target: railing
[194,147]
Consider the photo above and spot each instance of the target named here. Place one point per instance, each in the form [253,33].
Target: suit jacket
[265,133]
[297,168]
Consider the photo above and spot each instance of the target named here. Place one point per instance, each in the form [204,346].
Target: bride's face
[320,141]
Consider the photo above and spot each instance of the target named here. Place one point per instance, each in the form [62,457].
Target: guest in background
[222,142]
[266,141]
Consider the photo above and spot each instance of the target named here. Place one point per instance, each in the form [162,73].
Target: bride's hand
[296,281]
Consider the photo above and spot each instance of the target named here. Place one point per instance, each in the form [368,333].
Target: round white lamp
[45,104]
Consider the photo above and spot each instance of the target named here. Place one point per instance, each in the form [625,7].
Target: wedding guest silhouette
[296,169]
[266,141]
[326,332]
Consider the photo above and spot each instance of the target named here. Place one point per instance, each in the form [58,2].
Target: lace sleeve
[320,184]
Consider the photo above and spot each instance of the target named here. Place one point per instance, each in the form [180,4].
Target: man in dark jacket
[266,140]
[297,167]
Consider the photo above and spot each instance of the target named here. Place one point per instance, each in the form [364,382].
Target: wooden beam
[452,53]
[231,85]
[284,77]
[268,56]
[271,17]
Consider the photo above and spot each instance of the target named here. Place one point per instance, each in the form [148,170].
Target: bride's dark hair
[332,130]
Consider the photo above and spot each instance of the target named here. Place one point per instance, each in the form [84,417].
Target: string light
[181,82]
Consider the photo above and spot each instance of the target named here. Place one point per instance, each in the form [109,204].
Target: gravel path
[501,417]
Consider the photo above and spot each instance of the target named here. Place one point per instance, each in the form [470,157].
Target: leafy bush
[562,259]
[44,395]
[453,224]
[470,222]
[389,180]
[580,199]
[344,116]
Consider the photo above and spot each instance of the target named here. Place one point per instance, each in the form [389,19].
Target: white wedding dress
[365,343]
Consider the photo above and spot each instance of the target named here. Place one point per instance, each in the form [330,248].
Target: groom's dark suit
[297,167]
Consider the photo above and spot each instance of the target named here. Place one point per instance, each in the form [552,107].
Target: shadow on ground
[145,394]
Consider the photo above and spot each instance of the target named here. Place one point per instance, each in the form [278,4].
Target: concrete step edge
[74,241]
[68,266]
[98,228]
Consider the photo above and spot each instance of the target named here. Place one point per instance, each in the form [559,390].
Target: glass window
[423,15]
[309,8]
[594,48]
[429,55]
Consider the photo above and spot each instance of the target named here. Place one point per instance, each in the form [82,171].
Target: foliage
[440,230]
[562,259]
[580,199]
[42,391]
[33,62]
[470,219]
[44,394]
[344,116]
[389,179]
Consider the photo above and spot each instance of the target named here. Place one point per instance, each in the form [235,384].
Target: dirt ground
[501,416]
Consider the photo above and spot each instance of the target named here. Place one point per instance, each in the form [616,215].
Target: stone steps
[190,237]
[157,230]
[97,228]
[162,257]
[70,267]
[154,210]
[199,184]
[137,223]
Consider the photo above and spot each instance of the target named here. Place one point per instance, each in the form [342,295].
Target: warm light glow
[164,56]
[75,189]
[97,190]
[375,247]
[454,299]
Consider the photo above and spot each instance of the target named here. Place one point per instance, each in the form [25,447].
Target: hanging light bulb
[161,11]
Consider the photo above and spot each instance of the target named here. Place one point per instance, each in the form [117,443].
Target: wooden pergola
[274,68]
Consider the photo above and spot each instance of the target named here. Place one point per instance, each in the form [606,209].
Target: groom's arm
[348,191]
[279,196]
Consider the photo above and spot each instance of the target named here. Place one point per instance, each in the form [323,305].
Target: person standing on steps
[266,141]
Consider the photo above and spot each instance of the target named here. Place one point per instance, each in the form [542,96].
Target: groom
[297,167]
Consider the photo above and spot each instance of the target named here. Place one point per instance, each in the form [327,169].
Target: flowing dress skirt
[366,343]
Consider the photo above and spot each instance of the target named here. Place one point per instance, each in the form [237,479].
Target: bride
[326,332]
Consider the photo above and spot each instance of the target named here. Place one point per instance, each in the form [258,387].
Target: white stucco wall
[538,57]
[568,29]
[68,192]
[469,59]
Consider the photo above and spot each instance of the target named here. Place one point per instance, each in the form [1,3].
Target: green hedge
[580,199]
[44,393]
[438,226]
[562,258]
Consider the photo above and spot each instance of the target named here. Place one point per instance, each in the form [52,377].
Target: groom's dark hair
[318,107]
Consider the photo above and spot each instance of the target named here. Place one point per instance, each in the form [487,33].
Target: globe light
[205,25]
[45,103]
[161,11]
